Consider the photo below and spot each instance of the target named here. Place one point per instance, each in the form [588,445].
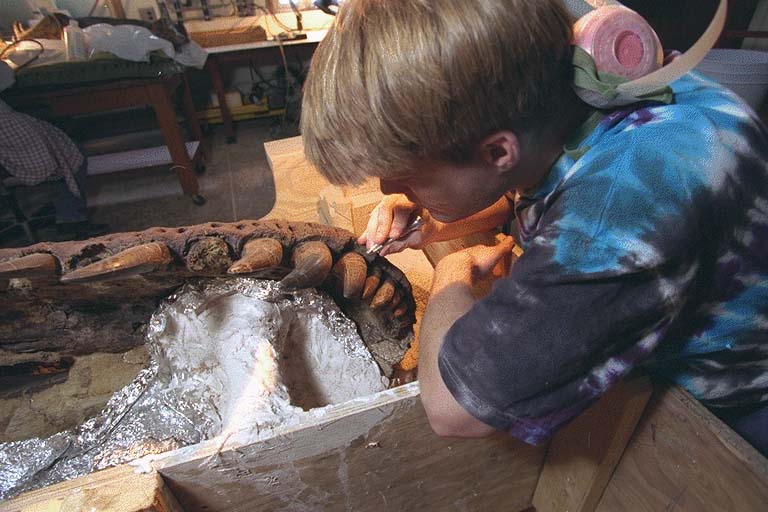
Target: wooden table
[157,93]
[261,51]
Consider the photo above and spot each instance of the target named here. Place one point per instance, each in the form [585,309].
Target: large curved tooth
[351,270]
[38,265]
[383,295]
[311,264]
[130,262]
[258,254]
[371,283]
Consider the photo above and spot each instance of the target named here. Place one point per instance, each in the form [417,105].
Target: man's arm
[451,297]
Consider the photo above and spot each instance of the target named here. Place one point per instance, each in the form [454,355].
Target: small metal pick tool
[410,228]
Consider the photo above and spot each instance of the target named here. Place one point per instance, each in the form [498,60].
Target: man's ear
[500,150]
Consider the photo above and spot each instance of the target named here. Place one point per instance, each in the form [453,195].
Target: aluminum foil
[156,413]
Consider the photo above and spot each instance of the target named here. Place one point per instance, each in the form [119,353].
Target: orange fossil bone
[371,284]
[383,295]
[351,271]
[33,265]
[130,262]
[258,254]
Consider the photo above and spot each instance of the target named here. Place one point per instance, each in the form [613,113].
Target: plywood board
[118,489]
[370,455]
[682,458]
[297,184]
[584,454]
[348,208]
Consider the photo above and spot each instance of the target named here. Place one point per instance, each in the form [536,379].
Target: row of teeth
[311,262]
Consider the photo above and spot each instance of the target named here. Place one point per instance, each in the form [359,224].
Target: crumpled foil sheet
[149,416]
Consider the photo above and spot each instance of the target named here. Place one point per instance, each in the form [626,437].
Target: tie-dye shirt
[645,245]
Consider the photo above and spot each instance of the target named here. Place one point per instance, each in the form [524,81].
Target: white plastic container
[74,40]
[745,72]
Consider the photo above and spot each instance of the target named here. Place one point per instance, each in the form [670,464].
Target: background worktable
[158,93]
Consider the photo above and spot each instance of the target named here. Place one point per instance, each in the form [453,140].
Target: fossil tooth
[40,265]
[396,298]
[130,262]
[351,270]
[383,295]
[311,264]
[371,283]
[258,254]
[400,311]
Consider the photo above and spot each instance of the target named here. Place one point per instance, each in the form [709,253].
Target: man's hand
[390,218]
[474,265]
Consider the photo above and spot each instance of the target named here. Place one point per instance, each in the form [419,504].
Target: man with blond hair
[645,228]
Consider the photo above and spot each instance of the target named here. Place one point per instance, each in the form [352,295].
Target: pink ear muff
[620,42]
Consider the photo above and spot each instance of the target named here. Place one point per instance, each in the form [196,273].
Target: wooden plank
[683,458]
[297,184]
[379,455]
[285,152]
[348,208]
[584,454]
[118,489]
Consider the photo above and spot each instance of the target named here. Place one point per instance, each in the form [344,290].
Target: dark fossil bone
[311,263]
[79,297]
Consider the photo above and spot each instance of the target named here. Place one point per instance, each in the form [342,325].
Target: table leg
[212,65]
[191,113]
[160,97]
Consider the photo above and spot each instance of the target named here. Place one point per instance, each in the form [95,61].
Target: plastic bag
[129,42]
[192,54]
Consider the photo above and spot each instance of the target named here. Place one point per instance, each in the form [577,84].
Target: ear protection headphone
[624,47]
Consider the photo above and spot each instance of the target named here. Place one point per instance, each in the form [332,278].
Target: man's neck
[544,149]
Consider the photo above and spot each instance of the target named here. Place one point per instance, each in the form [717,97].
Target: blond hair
[397,82]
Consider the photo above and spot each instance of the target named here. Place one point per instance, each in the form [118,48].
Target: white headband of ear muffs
[618,58]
